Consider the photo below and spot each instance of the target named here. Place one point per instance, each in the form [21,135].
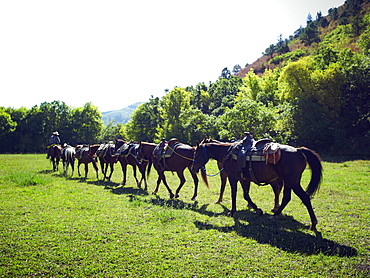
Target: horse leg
[102,166]
[196,182]
[158,183]
[223,177]
[162,177]
[298,190]
[143,177]
[246,186]
[137,181]
[276,186]
[78,168]
[111,171]
[233,184]
[95,165]
[287,195]
[180,174]
[124,169]
[72,166]
[86,169]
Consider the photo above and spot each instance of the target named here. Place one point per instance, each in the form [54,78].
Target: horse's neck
[217,151]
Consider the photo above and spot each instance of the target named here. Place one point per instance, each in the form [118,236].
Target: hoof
[171,196]
[176,195]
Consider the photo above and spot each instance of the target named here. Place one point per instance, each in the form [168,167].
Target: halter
[204,151]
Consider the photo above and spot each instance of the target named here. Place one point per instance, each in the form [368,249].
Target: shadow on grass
[285,233]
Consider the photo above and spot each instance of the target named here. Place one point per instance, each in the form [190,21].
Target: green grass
[56,226]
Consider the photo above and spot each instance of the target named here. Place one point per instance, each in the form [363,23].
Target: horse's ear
[197,143]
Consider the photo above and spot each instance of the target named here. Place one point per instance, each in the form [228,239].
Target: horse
[181,158]
[127,155]
[276,185]
[289,168]
[68,158]
[106,157]
[54,152]
[86,154]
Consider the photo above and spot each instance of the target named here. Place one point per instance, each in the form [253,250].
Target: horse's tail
[204,177]
[314,161]
[150,163]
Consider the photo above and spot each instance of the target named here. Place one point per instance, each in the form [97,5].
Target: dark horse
[181,158]
[86,154]
[68,158]
[276,185]
[107,157]
[128,155]
[290,168]
[55,152]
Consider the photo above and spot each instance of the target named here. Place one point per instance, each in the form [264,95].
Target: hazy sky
[116,53]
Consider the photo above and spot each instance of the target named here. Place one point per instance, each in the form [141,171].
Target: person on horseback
[54,140]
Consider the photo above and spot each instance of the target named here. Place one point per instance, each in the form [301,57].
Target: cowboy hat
[56,133]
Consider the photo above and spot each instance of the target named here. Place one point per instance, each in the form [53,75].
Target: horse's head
[200,157]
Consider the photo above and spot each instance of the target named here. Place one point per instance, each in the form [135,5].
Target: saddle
[129,149]
[80,149]
[263,150]
[103,149]
[164,150]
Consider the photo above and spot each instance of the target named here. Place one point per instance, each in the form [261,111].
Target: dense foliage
[313,90]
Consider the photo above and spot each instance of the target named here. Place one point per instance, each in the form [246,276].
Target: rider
[54,140]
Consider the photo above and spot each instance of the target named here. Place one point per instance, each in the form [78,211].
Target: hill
[307,39]
[121,116]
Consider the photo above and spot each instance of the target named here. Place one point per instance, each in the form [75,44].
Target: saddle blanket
[270,154]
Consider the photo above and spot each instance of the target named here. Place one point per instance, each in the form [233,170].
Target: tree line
[316,96]
[25,130]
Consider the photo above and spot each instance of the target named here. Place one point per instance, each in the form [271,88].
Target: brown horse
[276,185]
[54,152]
[290,168]
[107,158]
[181,158]
[127,155]
[86,154]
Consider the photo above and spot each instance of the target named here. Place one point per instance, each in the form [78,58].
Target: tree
[144,122]
[86,124]
[225,73]
[295,80]
[251,86]
[174,104]
[270,51]
[246,115]
[236,69]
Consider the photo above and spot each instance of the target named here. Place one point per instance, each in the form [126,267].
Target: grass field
[56,226]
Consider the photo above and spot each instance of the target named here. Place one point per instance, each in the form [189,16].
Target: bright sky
[115,53]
